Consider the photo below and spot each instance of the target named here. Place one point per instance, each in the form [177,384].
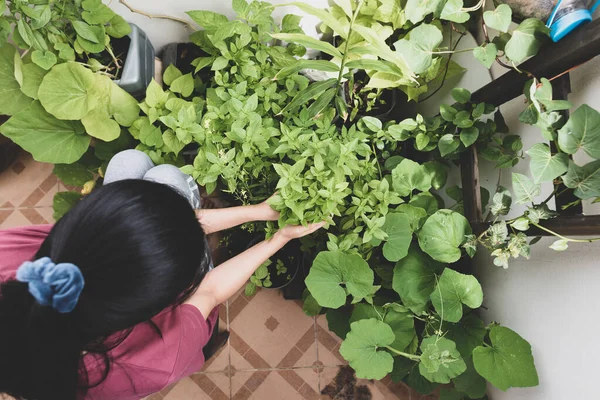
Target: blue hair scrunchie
[56,285]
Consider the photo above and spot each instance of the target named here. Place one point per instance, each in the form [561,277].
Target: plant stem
[476,7]
[157,16]
[345,55]
[453,51]
[403,354]
[589,240]
[117,65]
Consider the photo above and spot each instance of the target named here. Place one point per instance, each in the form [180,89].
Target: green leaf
[12,99]
[240,7]
[183,85]
[452,291]
[486,54]
[585,180]
[310,305]
[63,202]
[508,362]
[397,317]
[582,131]
[67,91]
[320,103]
[426,201]
[397,227]
[469,136]
[373,124]
[417,52]
[301,64]
[448,144]
[331,270]
[417,10]
[98,124]
[560,245]
[470,382]
[45,137]
[91,33]
[99,15]
[312,91]
[461,95]
[452,11]
[72,174]
[521,224]
[309,42]
[442,234]
[362,348]
[338,322]
[173,142]
[526,40]
[525,190]
[171,73]
[32,79]
[468,333]
[117,27]
[207,19]
[545,166]
[408,176]
[499,19]
[415,279]
[440,361]
[45,59]
[501,201]
[416,215]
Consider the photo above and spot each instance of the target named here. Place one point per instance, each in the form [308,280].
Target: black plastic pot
[292,258]
[181,55]
[138,70]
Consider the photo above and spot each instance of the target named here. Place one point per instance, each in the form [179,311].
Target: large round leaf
[544,165]
[442,234]
[415,279]
[67,91]
[397,317]
[440,361]
[508,362]
[335,272]
[452,291]
[397,227]
[468,333]
[585,180]
[47,139]
[408,176]
[362,348]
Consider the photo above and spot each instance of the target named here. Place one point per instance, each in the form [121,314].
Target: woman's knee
[128,164]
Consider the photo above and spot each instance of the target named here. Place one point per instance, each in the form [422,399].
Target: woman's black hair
[140,249]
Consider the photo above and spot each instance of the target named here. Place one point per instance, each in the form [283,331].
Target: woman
[118,299]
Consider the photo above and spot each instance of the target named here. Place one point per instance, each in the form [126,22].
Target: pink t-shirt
[144,363]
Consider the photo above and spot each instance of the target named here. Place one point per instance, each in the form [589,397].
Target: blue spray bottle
[567,15]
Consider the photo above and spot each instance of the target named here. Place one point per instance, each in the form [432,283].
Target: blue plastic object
[568,15]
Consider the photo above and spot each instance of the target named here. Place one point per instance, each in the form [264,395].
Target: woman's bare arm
[215,220]
[228,278]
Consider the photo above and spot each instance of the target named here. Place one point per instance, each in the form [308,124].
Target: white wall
[552,300]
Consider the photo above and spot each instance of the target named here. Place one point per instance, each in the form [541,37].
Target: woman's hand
[264,212]
[295,232]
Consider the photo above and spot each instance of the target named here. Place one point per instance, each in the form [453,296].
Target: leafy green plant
[61,31]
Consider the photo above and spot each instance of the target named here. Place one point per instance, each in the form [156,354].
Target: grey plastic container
[138,70]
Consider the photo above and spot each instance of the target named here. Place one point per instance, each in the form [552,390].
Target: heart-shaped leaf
[440,361]
[452,291]
[408,176]
[486,54]
[499,19]
[508,362]
[452,11]
[45,59]
[525,190]
[362,348]
[442,234]
[418,51]
[397,317]
[417,10]
[585,180]
[526,40]
[582,131]
[331,270]
[545,166]
[397,227]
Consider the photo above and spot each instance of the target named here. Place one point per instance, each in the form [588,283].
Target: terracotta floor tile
[275,330]
[20,184]
[271,385]
[15,219]
[328,344]
[188,389]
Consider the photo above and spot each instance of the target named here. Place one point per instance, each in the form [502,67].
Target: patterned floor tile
[268,331]
[191,389]
[28,183]
[271,385]
[328,344]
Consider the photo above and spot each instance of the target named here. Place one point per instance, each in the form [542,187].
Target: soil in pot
[120,49]
[284,265]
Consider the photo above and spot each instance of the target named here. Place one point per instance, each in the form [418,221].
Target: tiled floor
[275,351]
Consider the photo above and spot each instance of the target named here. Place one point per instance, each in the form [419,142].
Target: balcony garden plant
[388,271]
